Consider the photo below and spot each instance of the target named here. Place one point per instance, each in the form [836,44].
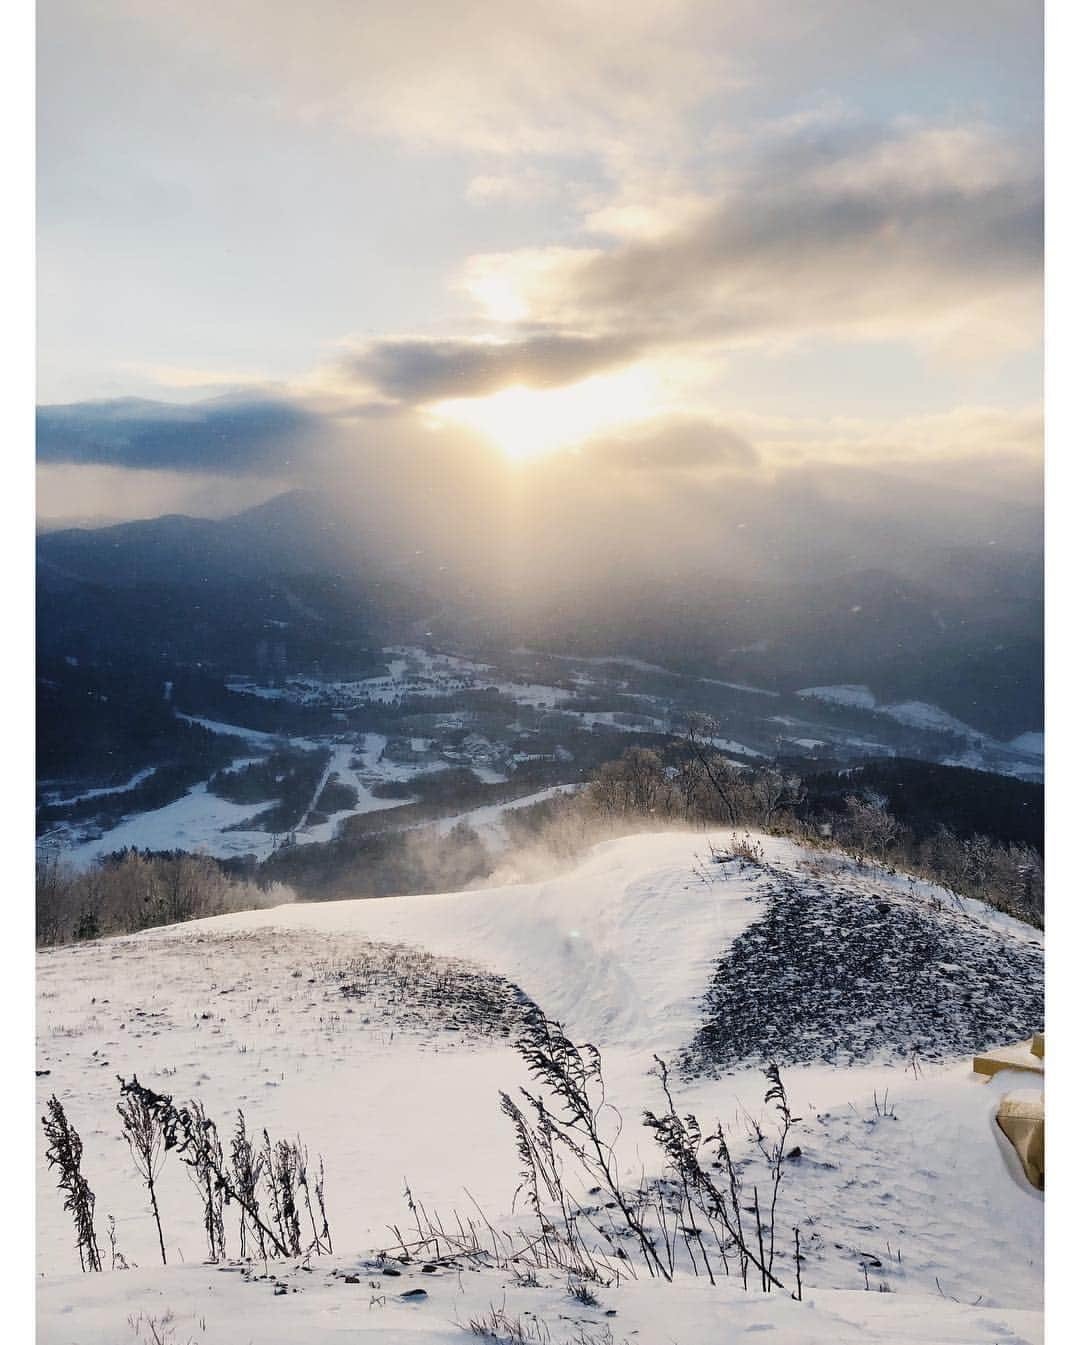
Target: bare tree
[870,824]
[773,791]
[719,772]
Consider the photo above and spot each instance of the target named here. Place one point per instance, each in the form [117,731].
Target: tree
[773,790]
[720,773]
[870,824]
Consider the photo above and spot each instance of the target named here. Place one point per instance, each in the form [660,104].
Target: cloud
[89,495]
[506,78]
[428,370]
[925,234]
[231,435]
[966,437]
[487,76]
[887,231]
[674,444]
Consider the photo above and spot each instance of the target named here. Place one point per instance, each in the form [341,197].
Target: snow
[196,822]
[340,765]
[619,719]
[981,753]
[253,736]
[739,686]
[859,697]
[203,1305]
[533,694]
[729,745]
[920,715]
[412,672]
[202,822]
[489,775]
[1019,770]
[867,746]
[487,821]
[639,665]
[246,1010]
[604,660]
[106,790]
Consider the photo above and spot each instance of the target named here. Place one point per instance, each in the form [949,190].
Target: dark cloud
[847,225]
[231,435]
[418,370]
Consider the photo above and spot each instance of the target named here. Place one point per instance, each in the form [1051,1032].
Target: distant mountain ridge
[293,533]
[961,628]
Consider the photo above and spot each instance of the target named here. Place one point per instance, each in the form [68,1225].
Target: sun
[527,423]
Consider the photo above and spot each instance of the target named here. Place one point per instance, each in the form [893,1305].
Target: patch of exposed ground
[845,969]
[416,991]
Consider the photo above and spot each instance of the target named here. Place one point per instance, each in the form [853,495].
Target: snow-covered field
[1021,757]
[203,823]
[914,1196]
[200,822]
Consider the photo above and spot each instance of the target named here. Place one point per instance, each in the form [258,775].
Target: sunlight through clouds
[528,422]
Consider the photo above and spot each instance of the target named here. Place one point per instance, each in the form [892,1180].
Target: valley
[434,735]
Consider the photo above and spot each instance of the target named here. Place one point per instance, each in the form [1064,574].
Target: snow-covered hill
[381,1031]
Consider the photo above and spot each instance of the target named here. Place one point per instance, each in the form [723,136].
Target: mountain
[959,627]
[294,533]
[178,590]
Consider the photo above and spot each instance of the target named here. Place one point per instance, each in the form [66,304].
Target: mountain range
[960,627]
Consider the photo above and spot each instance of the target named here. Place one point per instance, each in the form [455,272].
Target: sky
[640,254]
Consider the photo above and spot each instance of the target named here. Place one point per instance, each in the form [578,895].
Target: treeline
[970,832]
[688,784]
[288,777]
[133,891]
[381,863]
[924,796]
[168,782]
[849,811]
[101,726]
[201,693]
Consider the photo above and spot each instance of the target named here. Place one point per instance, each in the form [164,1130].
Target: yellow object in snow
[1022,1117]
[1023,1056]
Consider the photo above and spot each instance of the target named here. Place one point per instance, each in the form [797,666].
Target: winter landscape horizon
[539,673]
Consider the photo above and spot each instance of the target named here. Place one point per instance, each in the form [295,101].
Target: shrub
[65,1154]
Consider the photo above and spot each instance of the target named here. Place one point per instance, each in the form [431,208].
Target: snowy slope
[247,1010]
[861,697]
